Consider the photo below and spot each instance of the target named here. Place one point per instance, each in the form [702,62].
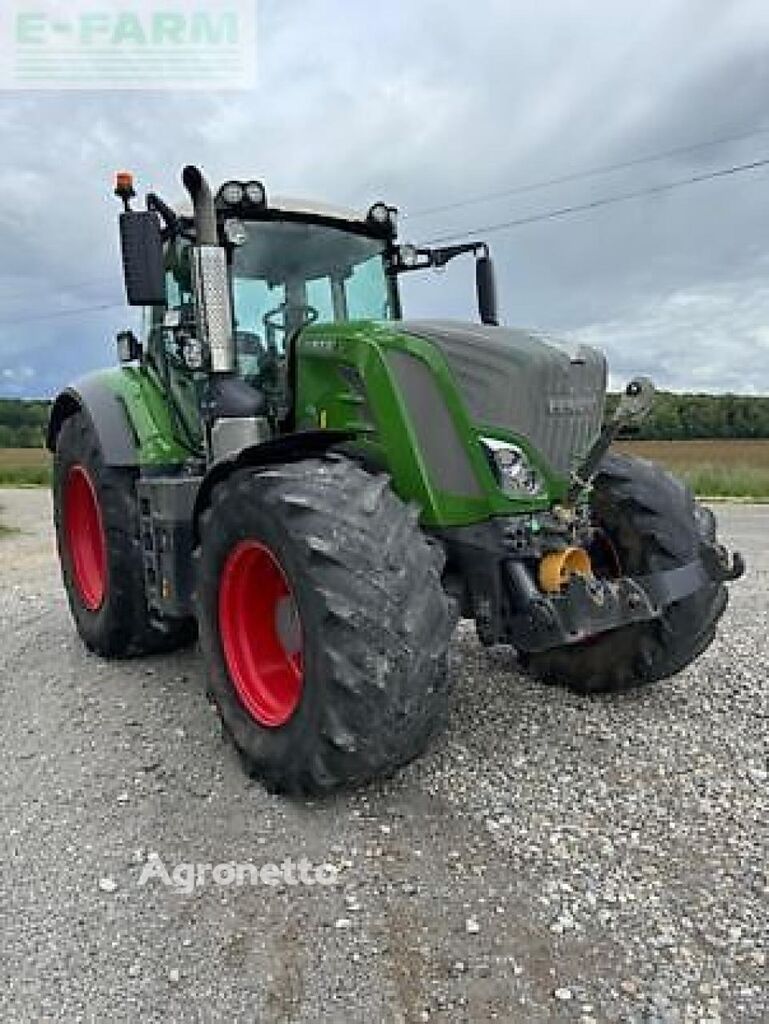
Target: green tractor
[318,488]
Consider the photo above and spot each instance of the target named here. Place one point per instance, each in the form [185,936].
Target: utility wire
[565,211]
[555,214]
[586,173]
[63,312]
[72,286]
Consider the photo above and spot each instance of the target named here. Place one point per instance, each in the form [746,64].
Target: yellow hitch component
[556,568]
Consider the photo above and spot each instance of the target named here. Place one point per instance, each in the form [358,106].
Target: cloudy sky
[430,103]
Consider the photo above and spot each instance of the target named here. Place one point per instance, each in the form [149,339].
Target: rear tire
[654,524]
[323,622]
[97,534]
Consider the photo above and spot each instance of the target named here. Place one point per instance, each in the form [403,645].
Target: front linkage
[548,580]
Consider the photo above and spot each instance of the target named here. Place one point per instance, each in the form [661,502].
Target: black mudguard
[107,414]
[304,444]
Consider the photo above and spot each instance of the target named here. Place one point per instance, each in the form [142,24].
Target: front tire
[324,624]
[653,524]
[97,534]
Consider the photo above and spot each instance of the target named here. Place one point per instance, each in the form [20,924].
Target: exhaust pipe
[202,204]
[209,276]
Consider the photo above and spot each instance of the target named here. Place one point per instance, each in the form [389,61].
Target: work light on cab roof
[236,194]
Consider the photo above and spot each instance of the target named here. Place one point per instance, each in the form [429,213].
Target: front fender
[304,444]
[108,416]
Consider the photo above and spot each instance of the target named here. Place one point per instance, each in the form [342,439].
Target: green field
[714,468]
[719,468]
[24,467]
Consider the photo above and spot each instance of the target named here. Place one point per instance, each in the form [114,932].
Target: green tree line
[22,423]
[674,417]
[680,417]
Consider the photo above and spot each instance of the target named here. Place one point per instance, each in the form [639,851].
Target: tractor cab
[231,279]
[291,264]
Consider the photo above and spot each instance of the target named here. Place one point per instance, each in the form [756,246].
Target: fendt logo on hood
[571,405]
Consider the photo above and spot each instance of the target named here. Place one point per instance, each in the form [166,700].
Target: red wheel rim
[261,633]
[86,541]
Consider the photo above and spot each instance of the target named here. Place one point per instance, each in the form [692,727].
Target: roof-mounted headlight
[383,217]
[379,214]
[256,194]
[232,193]
[241,193]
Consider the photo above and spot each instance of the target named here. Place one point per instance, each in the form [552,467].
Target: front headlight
[512,468]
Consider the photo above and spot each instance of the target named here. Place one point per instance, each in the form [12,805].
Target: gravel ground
[552,859]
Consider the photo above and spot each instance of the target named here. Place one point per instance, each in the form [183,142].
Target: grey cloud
[716,339]
[422,104]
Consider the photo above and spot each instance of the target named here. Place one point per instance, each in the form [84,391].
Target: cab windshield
[288,275]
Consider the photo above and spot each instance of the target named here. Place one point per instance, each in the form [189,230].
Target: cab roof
[295,206]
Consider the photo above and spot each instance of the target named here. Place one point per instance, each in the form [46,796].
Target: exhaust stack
[202,204]
[209,276]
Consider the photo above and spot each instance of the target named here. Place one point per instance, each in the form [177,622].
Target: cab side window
[164,343]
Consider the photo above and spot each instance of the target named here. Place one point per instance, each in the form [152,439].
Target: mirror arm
[442,256]
[436,258]
[170,219]
[422,258]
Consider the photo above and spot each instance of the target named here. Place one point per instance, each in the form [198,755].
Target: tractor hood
[527,382]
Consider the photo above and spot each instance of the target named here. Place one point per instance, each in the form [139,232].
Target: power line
[565,211]
[63,312]
[586,173]
[72,286]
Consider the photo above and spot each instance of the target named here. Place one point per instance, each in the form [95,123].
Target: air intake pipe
[210,277]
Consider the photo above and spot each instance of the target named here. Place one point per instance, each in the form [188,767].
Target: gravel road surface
[551,859]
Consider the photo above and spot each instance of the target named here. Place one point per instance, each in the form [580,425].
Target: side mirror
[142,247]
[487,291]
